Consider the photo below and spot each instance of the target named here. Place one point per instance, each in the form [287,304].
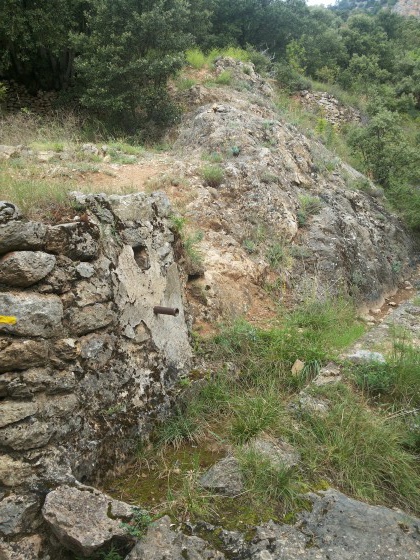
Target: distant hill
[370,6]
[408,8]
[401,7]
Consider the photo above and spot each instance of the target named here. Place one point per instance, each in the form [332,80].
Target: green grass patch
[34,194]
[224,78]
[359,451]
[198,60]
[213,175]
[365,451]
[125,148]
[396,381]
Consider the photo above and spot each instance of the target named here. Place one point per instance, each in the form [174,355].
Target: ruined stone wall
[85,364]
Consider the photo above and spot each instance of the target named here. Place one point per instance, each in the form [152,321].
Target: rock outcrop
[329,108]
[85,363]
[337,528]
[285,212]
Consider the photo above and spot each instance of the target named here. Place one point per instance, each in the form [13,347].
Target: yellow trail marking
[8,320]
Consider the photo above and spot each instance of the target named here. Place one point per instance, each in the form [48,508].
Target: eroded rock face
[84,361]
[337,528]
[84,520]
[286,210]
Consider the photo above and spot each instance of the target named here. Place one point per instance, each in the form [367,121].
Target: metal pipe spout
[158,310]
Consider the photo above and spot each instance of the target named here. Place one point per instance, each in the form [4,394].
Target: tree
[386,155]
[35,41]
[128,52]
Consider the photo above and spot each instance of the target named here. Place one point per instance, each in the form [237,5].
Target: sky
[320,2]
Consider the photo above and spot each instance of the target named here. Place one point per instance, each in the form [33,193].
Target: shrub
[196,58]
[213,175]
[290,79]
[224,78]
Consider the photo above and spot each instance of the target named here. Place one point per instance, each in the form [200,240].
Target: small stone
[13,472]
[76,240]
[364,356]
[9,212]
[392,304]
[85,270]
[26,435]
[279,452]
[297,367]
[20,236]
[22,354]
[89,318]
[17,514]
[224,477]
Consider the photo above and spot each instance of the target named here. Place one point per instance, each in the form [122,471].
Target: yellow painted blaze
[8,320]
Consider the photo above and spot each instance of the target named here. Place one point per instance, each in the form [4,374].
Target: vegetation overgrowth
[115,60]
[358,436]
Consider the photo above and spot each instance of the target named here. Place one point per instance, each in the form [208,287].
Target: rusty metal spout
[158,310]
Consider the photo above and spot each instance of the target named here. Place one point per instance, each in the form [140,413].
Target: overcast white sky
[320,2]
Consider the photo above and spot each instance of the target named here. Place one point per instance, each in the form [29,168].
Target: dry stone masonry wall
[84,361]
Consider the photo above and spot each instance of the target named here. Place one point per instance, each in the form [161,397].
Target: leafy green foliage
[128,55]
[386,154]
[141,520]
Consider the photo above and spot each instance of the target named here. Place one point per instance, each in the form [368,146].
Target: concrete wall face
[85,363]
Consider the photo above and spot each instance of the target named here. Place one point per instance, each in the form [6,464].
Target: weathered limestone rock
[76,240]
[26,435]
[17,514]
[280,453]
[345,529]
[85,270]
[365,356]
[224,477]
[21,236]
[28,548]
[13,411]
[93,291]
[8,212]
[37,316]
[96,349]
[161,542]
[45,380]
[22,354]
[85,520]
[331,373]
[24,268]
[90,318]
[14,472]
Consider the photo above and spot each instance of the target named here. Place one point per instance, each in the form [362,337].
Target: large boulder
[340,528]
